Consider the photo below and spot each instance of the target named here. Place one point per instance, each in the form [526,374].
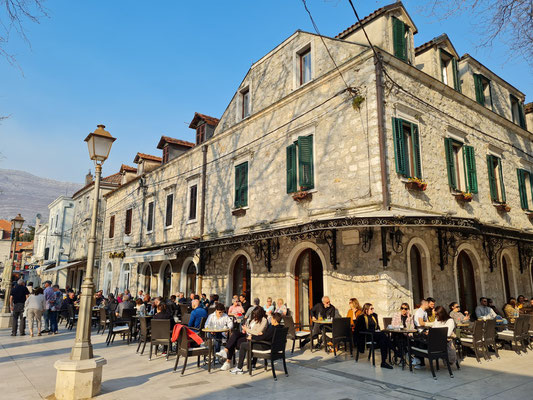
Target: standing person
[368,322]
[55,306]
[35,305]
[49,297]
[17,299]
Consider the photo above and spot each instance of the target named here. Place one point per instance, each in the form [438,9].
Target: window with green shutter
[449,72]
[455,71]
[300,165]
[450,162]
[461,166]
[517,112]
[483,90]
[407,152]
[241,185]
[399,38]
[495,172]
[522,190]
[470,164]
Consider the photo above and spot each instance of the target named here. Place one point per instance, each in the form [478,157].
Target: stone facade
[355,242]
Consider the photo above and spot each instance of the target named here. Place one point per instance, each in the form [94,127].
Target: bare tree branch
[510,21]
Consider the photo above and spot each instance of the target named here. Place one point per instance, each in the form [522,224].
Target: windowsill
[502,207]
[301,85]
[307,191]
[149,232]
[192,221]
[168,227]
[239,212]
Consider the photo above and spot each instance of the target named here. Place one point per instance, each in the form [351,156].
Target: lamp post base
[6,320]
[78,380]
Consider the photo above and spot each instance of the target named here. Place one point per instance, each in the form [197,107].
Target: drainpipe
[202,215]
[381,133]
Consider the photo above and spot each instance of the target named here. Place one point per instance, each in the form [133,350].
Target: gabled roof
[127,168]
[374,15]
[5,225]
[114,179]
[142,156]
[166,139]
[435,41]
[202,117]
[22,245]
[27,246]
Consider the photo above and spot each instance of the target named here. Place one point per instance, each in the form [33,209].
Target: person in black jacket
[323,310]
[368,322]
[266,336]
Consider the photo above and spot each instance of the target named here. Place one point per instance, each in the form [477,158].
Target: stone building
[395,173]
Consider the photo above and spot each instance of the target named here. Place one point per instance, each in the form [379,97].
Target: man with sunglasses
[323,310]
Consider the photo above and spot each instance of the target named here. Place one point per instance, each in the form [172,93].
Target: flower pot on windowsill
[529,214]
[239,212]
[302,195]
[502,207]
[416,184]
[463,196]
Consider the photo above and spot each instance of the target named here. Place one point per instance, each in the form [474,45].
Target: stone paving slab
[26,367]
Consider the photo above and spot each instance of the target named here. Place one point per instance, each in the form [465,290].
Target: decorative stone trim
[302,195]
[239,212]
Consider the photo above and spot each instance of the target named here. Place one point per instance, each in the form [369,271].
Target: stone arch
[124,277]
[425,255]
[508,256]
[233,259]
[477,266]
[161,280]
[183,276]
[108,278]
[146,278]
[291,270]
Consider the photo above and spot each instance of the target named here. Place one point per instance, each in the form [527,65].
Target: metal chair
[275,352]
[516,336]
[117,327]
[369,340]
[293,334]
[475,342]
[341,331]
[185,318]
[144,336]
[437,348]
[489,337]
[185,350]
[72,317]
[104,321]
[386,322]
[160,335]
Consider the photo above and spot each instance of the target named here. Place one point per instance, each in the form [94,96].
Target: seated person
[256,325]
[443,320]
[281,308]
[421,315]
[457,315]
[251,309]
[269,307]
[520,302]
[197,314]
[141,308]
[323,310]
[267,336]
[125,305]
[403,318]
[431,309]
[485,312]
[494,308]
[217,321]
[511,310]
[111,303]
[354,311]
[368,322]
[236,309]
[162,312]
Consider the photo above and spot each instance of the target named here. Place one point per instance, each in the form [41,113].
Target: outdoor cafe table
[323,323]
[403,342]
[210,339]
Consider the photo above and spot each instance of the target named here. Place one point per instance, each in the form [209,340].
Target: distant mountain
[29,195]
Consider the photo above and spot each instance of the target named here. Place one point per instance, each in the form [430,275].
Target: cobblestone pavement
[26,365]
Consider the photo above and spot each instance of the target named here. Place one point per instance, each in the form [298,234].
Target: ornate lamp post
[80,377]
[16,224]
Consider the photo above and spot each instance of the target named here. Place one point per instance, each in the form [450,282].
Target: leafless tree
[510,21]
[13,15]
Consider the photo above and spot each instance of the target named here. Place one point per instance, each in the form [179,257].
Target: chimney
[88,178]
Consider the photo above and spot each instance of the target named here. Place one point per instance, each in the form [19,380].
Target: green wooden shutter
[456,80]
[450,163]
[291,169]
[502,185]
[470,164]
[492,178]
[305,162]
[478,84]
[521,115]
[441,66]
[416,151]
[241,185]
[399,146]
[398,38]
[522,188]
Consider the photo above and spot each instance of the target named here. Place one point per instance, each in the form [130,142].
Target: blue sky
[143,69]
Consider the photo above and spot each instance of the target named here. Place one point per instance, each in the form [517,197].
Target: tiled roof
[143,156]
[198,117]
[27,246]
[166,139]
[528,108]
[22,245]
[115,178]
[433,42]
[127,168]
[5,225]
[369,18]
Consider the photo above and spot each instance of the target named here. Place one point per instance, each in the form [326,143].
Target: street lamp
[80,377]
[16,225]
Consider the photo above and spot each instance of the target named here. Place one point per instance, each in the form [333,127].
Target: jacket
[365,323]
[320,311]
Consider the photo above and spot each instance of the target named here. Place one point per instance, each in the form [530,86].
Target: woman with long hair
[368,322]
[443,320]
[354,311]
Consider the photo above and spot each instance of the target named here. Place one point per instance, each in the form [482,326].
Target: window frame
[495,172]
[520,118]
[150,217]
[480,79]
[165,153]
[303,55]
[245,102]
[411,164]
[395,40]
[237,203]
[189,203]
[464,177]
[167,215]
[128,221]
[525,189]
[296,160]
[448,63]
[111,227]
[200,133]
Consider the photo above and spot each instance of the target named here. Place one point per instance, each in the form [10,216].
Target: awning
[63,266]
[148,256]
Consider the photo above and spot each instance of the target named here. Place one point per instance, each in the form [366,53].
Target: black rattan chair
[437,348]
[276,351]
[104,321]
[489,337]
[341,332]
[185,350]
[293,334]
[475,342]
[117,327]
[516,336]
[144,335]
[160,335]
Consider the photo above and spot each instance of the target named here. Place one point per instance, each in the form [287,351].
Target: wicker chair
[293,334]
[437,343]
[516,336]
[341,331]
[185,350]
[144,336]
[475,342]
[160,335]
[276,351]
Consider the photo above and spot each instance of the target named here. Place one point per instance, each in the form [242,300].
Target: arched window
[467,283]
[309,289]
[147,284]
[125,273]
[242,275]
[417,278]
[167,280]
[505,278]
[191,279]
[107,279]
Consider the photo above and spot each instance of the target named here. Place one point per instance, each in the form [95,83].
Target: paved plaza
[26,365]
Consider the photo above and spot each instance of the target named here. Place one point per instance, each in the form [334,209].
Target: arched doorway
[417,278]
[147,280]
[107,279]
[309,277]
[167,280]
[242,277]
[190,286]
[505,278]
[466,282]
[125,277]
